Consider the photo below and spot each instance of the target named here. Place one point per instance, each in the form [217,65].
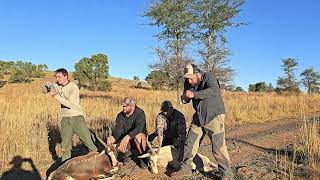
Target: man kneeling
[171,130]
[130,131]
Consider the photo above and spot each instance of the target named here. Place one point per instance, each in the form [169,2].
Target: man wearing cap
[130,129]
[171,128]
[204,90]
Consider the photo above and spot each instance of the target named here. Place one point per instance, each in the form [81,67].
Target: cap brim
[165,109]
[188,75]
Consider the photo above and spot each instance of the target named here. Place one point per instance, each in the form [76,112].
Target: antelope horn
[109,152]
[151,149]
[102,142]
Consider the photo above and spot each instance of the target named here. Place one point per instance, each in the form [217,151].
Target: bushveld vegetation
[29,120]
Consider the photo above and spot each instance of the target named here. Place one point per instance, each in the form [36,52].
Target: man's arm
[211,89]
[74,98]
[184,98]
[118,130]
[161,125]
[139,124]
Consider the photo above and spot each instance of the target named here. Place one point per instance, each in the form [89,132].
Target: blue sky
[59,33]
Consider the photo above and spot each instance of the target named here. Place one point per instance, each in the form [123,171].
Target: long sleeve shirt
[69,98]
[132,125]
[207,101]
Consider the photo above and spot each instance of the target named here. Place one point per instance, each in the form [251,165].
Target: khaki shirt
[69,97]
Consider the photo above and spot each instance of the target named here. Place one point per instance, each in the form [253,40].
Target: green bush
[104,85]
[88,71]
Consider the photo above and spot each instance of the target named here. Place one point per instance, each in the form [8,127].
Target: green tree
[136,78]
[39,71]
[157,79]
[288,83]
[6,67]
[260,87]
[311,80]
[270,87]
[252,88]
[239,89]
[213,17]
[93,72]
[22,72]
[175,18]
[1,75]
[1,71]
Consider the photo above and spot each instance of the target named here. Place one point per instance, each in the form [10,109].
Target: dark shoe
[124,157]
[174,165]
[125,160]
[182,173]
[142,164]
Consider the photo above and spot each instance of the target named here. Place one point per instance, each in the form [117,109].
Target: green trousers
[77,125]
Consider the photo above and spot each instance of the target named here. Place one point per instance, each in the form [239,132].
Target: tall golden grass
[26,113]
[310,137]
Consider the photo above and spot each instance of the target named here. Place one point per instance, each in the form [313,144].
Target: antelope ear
[102,152]
[144,155]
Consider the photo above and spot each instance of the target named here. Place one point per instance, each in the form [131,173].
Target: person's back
[175,133]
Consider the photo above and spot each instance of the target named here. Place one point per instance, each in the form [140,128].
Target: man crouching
[130,130]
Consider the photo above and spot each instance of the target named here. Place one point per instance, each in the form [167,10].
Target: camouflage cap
[129,101]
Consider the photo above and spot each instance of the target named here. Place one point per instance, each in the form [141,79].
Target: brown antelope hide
[163,155]
[90,166]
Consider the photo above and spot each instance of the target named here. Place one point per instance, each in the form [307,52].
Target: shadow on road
[18,173]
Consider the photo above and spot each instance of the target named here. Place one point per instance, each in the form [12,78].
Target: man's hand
[53,92]
[124,143]
[189,94]
[110,140]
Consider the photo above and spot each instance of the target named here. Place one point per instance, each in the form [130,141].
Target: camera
[50,87]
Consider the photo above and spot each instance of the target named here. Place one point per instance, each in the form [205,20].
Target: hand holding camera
[50,87]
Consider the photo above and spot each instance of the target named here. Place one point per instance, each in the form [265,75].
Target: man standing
[171,128]
[130,129]
[204,91]
[67,93]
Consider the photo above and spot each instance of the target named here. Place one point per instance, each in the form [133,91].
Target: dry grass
[26,114]
[310,137]
[304,158]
